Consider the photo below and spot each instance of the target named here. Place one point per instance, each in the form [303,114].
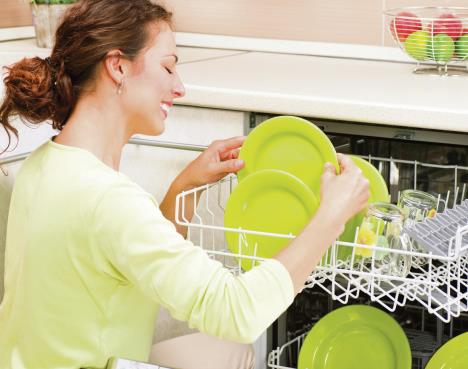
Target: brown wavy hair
[39,89]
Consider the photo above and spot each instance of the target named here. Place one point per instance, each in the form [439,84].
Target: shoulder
[120,197]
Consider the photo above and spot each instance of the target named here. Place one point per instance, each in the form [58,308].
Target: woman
[90,255]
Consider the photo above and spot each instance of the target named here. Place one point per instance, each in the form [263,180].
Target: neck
[99,126]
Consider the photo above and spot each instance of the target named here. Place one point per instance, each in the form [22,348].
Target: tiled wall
[357,21]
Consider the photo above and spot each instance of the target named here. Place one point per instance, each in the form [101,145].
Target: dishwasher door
[431,161]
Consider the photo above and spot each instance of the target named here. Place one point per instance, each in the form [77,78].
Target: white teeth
[165,107]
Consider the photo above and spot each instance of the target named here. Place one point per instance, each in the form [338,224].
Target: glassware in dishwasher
[382,227]
[417,205]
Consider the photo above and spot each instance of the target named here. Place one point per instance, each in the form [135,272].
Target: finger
[229,144]
[232,154]
[329,172]
[344,161]
[329,167]
[347,164]
[229,166]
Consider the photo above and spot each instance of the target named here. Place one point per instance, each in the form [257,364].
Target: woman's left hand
[218,160]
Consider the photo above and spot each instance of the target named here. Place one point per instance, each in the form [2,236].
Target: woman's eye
[168,70]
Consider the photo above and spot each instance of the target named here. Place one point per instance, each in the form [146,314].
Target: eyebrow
[174,55]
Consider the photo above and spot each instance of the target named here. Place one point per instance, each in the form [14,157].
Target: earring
[120,87]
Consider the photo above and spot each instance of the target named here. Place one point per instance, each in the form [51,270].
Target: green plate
[268,201]
[452,355]
[378,192]
[356,337]
[291,144]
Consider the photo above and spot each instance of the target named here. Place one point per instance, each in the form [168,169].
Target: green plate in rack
[356,337]
[452,355]
[291,144]
[378,192]
[270,201]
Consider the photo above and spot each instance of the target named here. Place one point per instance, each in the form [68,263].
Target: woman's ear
[115,66]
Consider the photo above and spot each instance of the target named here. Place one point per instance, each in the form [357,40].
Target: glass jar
[382,226]
[416,206]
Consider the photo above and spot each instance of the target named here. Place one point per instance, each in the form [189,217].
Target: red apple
[404,24]
[447,24]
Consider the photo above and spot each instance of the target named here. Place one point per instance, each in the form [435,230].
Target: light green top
[89,260]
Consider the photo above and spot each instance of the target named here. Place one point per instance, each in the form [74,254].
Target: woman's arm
[168,205]
[218,160]
[342,196]
[137,244]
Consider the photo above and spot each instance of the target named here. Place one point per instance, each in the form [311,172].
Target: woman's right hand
[342,195]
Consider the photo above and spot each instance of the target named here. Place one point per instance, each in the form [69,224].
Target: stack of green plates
[279,187]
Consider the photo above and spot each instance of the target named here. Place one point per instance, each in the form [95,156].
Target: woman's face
[152,84]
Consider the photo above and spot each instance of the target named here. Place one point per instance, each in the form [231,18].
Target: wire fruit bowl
[437,36]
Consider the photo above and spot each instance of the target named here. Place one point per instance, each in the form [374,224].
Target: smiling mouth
[165,108]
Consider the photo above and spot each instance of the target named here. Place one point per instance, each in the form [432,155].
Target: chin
[152,129]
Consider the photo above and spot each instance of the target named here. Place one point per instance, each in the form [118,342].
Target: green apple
[441,48]
[416,44]
[461,47]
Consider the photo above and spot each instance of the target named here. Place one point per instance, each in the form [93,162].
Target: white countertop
[344,89]
[330,88]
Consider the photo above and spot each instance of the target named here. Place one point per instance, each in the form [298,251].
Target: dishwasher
[430,303]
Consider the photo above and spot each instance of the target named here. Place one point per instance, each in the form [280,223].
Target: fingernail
[239,163]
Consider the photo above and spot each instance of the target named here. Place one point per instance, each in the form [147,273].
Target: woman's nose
[179,89]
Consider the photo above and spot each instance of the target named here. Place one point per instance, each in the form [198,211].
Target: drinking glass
[416,206]
[382,226]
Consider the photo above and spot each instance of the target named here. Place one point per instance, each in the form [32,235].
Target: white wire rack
[274,357]
[439,282]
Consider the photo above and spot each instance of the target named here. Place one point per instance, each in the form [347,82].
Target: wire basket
[436,280]
[437,36]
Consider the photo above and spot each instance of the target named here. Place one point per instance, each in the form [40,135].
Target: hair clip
[48,61]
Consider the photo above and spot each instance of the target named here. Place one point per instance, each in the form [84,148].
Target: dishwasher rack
[437,282]
[423,343]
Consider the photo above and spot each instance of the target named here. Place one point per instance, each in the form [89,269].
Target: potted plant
[46,18]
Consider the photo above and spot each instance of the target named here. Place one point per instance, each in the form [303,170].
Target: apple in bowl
[404,24]
[447,24]
[416,45]
[441,48]
[461,46]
